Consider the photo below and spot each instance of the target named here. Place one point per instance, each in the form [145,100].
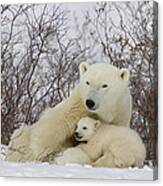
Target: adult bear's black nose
[90,103]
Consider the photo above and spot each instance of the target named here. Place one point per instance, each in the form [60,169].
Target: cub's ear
[83,68]
[97,124]
[125,74]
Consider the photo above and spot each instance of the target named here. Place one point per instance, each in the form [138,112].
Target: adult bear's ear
[97,124]
[125,74]
[83,68]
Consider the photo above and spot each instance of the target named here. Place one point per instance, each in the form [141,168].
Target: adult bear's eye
[104,86]
[87,82]
[84,128]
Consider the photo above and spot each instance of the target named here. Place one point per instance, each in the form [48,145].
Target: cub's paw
[123,163]
[60,160]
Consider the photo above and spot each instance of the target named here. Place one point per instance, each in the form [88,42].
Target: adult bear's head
[103,88]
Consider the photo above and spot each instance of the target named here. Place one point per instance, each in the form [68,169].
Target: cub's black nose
[76,134]
[90,103]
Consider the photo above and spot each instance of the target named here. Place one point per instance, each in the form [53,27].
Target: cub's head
[102,86]
[86,127]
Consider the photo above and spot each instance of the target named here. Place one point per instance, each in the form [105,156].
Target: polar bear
[102,93]
[50,134]
[105,146]
[85,129]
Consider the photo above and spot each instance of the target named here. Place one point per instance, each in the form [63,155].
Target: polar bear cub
[86,128]
[105,146]
[84,131]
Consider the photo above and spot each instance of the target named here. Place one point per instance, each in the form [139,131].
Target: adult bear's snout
[90,104]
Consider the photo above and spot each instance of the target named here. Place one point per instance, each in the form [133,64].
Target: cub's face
[102,86]
[86,127]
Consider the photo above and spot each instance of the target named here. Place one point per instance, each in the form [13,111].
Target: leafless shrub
[39,62]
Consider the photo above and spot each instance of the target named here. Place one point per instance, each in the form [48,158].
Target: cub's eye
[87,82]
[104,86]
[84,128]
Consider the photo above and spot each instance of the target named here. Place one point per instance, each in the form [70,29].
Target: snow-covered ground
[70,171]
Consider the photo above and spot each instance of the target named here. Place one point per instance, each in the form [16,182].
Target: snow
[35,169]
[72,171]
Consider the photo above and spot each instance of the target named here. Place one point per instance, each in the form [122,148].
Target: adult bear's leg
[73,155]
[18,148]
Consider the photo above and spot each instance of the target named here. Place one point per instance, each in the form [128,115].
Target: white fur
[113,103]
[51,133]
[108,146]
[56,125]
[86,131]
[73,155]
